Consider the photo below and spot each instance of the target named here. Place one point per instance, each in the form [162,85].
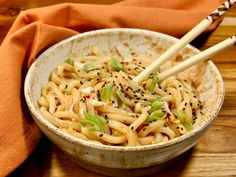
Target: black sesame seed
[194,96]
[130,77]
[191,104]
[183,109]
[185,104]
[145,99]
[177,127]
[132,128]
[81,82]
[100,135]
[182,128]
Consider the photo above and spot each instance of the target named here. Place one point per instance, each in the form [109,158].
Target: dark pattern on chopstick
[221,10]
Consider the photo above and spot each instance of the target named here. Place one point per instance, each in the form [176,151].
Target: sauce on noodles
[94,98]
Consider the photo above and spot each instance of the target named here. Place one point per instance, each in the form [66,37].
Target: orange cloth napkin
[36,29]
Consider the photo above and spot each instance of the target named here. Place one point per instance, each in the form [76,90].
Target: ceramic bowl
[114,160]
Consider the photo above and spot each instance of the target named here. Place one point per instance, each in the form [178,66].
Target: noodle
[95,99]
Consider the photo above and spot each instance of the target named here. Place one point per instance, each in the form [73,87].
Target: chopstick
[187,38]
[206,54]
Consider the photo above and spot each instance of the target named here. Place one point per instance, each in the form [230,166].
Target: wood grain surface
[215,153]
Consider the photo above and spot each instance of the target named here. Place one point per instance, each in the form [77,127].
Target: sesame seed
[132,128]
[129,77]
[100,135]
[185,104]
[81,82]
[183,109]
[145,99]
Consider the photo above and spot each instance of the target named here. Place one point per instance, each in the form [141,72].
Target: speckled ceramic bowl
[113,160]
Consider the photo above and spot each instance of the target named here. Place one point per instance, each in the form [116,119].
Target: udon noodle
[94,98]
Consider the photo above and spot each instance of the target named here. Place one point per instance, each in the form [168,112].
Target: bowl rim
[74,140]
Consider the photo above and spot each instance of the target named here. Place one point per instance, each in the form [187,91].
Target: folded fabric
[35,30]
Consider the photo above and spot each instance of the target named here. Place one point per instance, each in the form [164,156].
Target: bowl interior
[128,43]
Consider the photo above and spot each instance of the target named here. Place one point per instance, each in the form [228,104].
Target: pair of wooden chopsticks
[186,39]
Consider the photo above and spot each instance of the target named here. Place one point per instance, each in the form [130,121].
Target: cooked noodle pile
[94,98]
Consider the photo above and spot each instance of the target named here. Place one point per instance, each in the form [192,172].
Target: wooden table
[214,155]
